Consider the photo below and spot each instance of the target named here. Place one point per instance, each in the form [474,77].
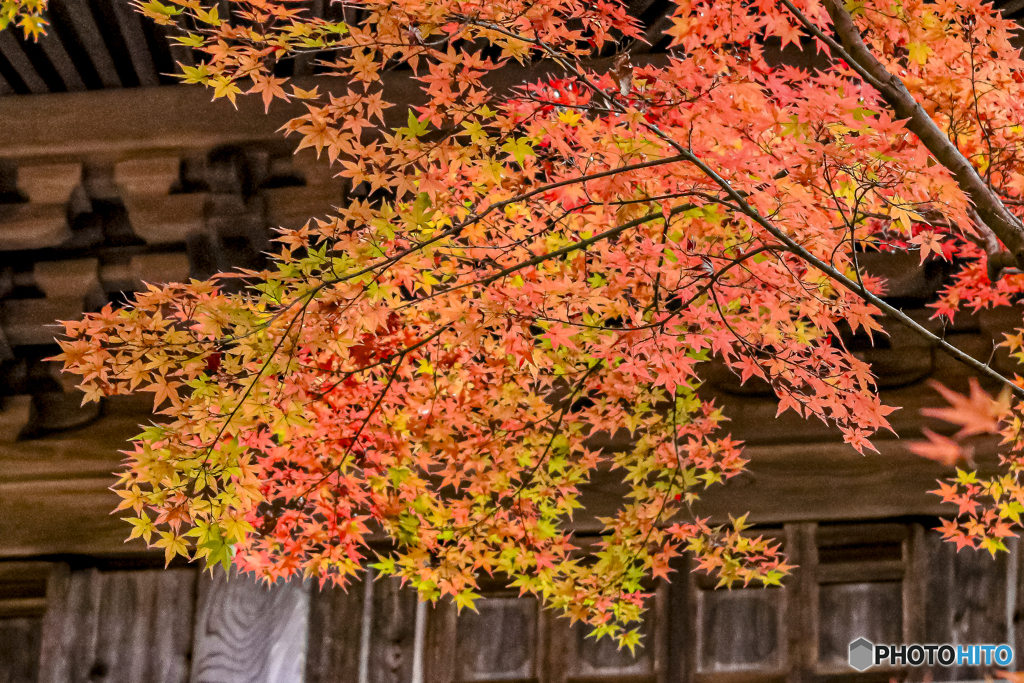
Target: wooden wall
[889,582]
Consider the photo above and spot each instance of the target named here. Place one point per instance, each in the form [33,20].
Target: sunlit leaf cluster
[28,15]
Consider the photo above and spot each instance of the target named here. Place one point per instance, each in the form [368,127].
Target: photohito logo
[864,654]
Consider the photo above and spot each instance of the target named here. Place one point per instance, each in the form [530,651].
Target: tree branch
[993,214]
[849,284]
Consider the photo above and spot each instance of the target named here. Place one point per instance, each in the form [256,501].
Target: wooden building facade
[889,582]
[111,176]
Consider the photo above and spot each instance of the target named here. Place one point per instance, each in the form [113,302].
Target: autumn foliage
[28,15]
[532,269]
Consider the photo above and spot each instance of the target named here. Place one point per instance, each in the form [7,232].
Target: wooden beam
[5,87]
[130,23]
[61,61]
[89,34]
[125,123]
[54,496]
[17,58]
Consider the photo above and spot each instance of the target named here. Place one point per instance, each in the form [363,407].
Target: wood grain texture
[573,655]
[335,630]
[54,490]
[498,642]
[680,629]
[23,589]
[70,625]
[740,630]
[55,497]
[392,632]
[247,632]
[136,122]
[854,610]
[19,649]
[964,599]
[801,602]
[916,560]
[118,627]
[145,627]
[806,483]
[441,637]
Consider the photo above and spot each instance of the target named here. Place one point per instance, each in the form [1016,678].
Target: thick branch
[849,284]
[989,207]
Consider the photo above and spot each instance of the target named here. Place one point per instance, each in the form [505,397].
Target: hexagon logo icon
[862,654]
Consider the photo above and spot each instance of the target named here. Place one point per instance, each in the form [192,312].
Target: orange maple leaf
[977,414]
[941,449]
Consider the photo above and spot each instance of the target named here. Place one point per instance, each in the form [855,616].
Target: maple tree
[532,267]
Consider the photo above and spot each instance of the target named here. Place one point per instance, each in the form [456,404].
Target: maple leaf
[269,88]
[941,449]
[560,336]
[173,545]
[976,414]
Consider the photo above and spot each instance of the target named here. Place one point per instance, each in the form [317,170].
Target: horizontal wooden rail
[133,122]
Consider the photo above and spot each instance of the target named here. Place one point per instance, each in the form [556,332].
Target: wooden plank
[807,482]
[20,62]
[964,599]
[498,642]
[849,611]
[70,626]
[847,572]
[838,535]
[61,61]
[915,593]
[145,626]
[121,123]
[55,516]
[335,633]
[572,654]
[19,649]
[54,490]
[801,602]
[680,627]
[130,23]
[89,34]
[247,632]
[740,630]
[23,588]
[21,607]
[392,633]
[54,497]
[442,634]
[126,626]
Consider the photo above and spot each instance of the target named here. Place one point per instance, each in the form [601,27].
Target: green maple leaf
[519,148]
